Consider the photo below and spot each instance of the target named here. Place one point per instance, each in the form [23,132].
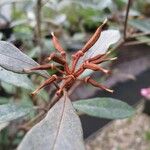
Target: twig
[56,85]
[74,87]
[126,20]
[45,2]
[38,25]
[38,20]
[30,123]
[119,44]
[138,34]
[135,43]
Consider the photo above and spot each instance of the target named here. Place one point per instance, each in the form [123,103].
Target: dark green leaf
[12,59]
[59,130]
[104,108]
[19,80]
[9,112]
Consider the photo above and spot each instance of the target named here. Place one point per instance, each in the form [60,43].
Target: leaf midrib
[60,122]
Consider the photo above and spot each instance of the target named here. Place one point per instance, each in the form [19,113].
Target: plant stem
[38,26]
[135,43]
[126,19]
[135,35]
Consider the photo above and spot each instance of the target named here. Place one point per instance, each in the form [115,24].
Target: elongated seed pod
[87,46]
[43,67]
[96,84]
[47,82]
[68,82]
[56,58]
[96,57]
[98,61]
[58,45]
[79,71]
[94,38]
[94,67]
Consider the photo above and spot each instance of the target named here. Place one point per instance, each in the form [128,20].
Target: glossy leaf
[12,59]
[143,25]
[106,39]
[9,112]
[59,130]
[19,80]
[104,108]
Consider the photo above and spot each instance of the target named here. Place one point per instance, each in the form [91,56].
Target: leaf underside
[59,130]
[19,80]
[107,38]
[12,59]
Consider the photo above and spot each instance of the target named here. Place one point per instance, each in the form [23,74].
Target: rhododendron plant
[59,127]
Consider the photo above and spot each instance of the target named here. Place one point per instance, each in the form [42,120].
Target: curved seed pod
[107,38]
[58,45]
[47,82]
[95,67]
[88,45]
[96,84]
[94,38]
[56,58]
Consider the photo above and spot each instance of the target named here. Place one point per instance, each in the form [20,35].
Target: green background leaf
[143,25]
[104,108]
[9,112]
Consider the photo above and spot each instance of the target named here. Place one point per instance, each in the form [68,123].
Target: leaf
[88,4]
[106,39]
[1,35]
[3,100]
[9,88]
[59,130]
[86,73]
[12,59]
[143,25]
[104,108]
[19,80]
[144,39]
[3,125]
[6,2]
[9,112]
